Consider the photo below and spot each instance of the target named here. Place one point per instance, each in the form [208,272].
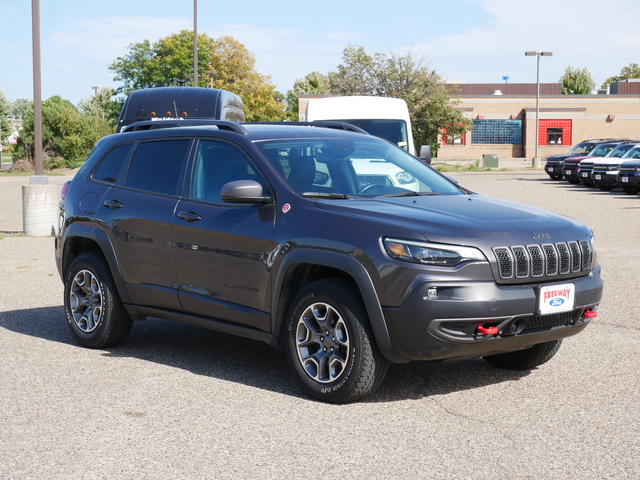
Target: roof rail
[187,122]
[320,123]
[605,140]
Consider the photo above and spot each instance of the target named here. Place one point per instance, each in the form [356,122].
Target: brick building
[503,117]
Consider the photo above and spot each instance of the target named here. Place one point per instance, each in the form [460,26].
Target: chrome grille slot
[522,262]
[576,257]
[563,253]
[534,261]
[537,260]
[505,261]
[586,254]
[552,259]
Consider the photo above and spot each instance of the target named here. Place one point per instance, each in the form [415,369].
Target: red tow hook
[588,313]
[487,330]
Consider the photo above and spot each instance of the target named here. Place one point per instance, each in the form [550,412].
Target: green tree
[67,135]
[315,83]
[432,107]
[20,107]
[104,107]
[5,124]
[630,71]
[223,63]
[577,81]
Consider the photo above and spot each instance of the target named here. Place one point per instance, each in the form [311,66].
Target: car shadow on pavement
[250,362]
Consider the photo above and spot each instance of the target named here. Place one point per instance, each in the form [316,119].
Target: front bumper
[554,169]
[571,172]
[604,179]
[628,178]
[446,326]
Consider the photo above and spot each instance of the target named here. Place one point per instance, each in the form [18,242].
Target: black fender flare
[358,274]
[100,238]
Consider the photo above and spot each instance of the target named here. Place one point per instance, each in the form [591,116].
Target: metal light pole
[195,43]
[37,90]
[538,54]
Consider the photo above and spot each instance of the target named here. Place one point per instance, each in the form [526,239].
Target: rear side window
[110,166]
[156,166]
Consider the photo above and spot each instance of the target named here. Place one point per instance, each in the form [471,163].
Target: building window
[554,136]
[453,140]
[497,132]
[555,132]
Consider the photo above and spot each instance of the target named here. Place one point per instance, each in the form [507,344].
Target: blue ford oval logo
[556,302]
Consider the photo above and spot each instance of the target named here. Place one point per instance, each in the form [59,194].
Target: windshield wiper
[338,196]
[406,194]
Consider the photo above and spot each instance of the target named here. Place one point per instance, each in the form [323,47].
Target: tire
[556,176]
[92,305]
[606,188]
[330,345]
[525,359]
[631,189]
[573,181]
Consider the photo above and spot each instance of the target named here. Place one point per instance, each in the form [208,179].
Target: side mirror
[425,154]
[244,191]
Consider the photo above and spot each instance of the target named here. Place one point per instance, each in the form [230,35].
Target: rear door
[138,214]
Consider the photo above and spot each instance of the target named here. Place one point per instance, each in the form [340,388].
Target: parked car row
[604,163]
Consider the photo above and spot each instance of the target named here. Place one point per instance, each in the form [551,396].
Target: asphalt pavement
[178,402]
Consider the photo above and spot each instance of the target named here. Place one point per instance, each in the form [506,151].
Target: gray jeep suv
[337,246]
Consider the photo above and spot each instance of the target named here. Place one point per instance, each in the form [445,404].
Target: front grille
[627,169]
[541,323]
[531,261]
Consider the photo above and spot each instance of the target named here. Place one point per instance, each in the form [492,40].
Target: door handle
[113,204]
[189,216]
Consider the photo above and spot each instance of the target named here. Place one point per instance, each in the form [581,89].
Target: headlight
[431,253]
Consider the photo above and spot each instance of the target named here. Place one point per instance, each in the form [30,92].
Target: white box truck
[383,117]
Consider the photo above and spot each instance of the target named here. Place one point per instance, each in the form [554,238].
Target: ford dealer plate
[556,299]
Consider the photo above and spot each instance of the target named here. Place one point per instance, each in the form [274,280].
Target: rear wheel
[93,308]
[330,345]
[525,359]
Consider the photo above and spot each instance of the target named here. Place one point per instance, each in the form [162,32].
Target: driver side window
[218,163]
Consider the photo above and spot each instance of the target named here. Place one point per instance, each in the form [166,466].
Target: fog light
[432,293]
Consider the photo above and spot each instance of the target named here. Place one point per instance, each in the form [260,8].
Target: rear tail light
[65,189]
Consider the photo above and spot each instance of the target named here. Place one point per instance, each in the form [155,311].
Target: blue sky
[471,41]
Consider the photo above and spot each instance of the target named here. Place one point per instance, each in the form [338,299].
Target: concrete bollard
[40,210]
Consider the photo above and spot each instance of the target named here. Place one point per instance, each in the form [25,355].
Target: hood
[463,219]
[577,159]
[559,157]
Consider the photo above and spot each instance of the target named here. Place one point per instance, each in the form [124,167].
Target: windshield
[601,150]
[352,167]
[620,150]
[394,131]
[632,153]
[581,149]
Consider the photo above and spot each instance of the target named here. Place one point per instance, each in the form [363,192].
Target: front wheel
[330,345]
[630,189]
[93,308]
[525,359]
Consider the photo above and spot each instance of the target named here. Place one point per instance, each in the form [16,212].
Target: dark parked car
[605,169]
[629,176]
[554,166]
[572,164]
[339,247]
